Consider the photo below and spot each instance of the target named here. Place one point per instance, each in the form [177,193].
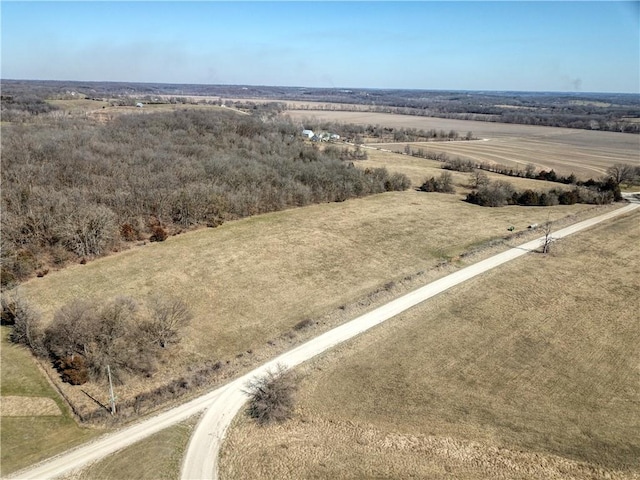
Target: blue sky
[532,46]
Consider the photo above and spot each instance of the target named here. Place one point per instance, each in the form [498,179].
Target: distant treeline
[589,111]
[72,190]
[614,119]
[592,111]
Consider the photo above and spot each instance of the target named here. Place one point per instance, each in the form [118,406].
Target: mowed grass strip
[28,439]
[530,371]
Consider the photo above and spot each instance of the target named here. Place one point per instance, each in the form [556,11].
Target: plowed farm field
[585,153]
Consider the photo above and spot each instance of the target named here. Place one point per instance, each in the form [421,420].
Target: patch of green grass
[26,440]
[20,376]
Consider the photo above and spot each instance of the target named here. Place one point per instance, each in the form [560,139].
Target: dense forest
[73,190]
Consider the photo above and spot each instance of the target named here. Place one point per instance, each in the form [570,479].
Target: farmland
[527,372]
[259,285]
[587,154]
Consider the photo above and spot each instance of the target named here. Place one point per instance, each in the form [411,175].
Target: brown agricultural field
[587,154]
[529,371]
[419,169]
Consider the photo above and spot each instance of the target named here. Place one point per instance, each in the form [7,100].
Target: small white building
[139,105]
[308,133]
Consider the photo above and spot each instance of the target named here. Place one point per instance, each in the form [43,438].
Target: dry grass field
[585,153]
[251,281]
[530,371]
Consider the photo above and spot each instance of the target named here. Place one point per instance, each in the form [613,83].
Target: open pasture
[251,281]
[587,154]
[529,371]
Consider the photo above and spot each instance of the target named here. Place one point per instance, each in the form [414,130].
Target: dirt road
[222,404]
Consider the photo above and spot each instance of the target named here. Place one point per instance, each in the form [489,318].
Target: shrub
[493,194]
[568,197]
[397,182]
[302,324]
[128,233]
[159,234]
[272,396]
[443,184]
[73,369]
[460,165]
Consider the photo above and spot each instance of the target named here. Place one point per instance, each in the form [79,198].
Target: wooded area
[73,190]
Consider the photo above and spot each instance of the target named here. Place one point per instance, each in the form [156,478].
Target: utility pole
[112,397]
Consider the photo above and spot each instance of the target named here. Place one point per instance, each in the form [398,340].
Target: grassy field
[28,439]
[585,153]
[530,371]
[251,281]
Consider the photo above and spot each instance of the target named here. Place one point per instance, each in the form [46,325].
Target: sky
[507,45]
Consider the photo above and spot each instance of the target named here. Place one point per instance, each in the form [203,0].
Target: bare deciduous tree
[530,170]
[89,231]
[479,179]
[272,396]
[26,321]
[621,173]
[169,316]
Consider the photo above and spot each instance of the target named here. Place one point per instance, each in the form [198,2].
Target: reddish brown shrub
[128,233]
[73,369]
[159,234]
